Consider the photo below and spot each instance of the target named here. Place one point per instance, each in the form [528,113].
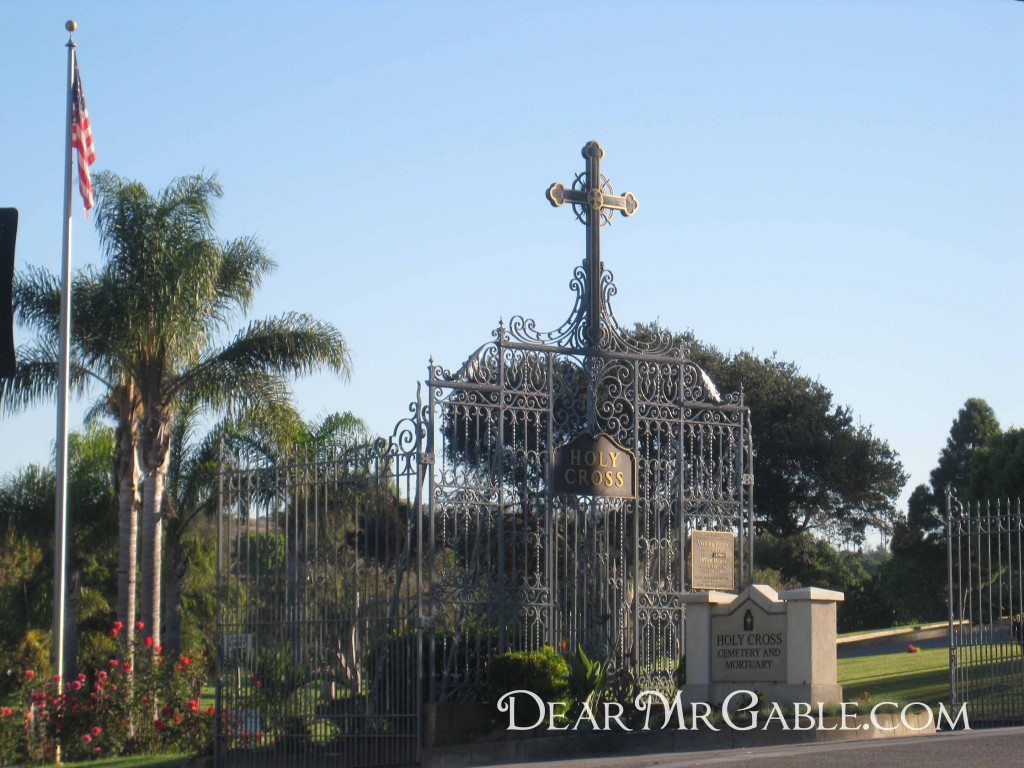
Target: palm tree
[145,328]
[93,363]
[174,288]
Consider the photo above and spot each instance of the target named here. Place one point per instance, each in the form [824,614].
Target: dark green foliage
[199,593]
[806,560]
[973,429]
[26,553]
[815,467]
[277,676]
[914,583]
[587,678]
[997,468]
[544,672]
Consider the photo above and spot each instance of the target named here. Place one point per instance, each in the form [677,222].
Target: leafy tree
[815,468]
[997,468]
[26,556]
[146,329]
[94,362]
[973,429]
[919,540]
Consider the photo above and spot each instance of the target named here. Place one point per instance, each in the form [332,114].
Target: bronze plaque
[594,466]
[713,560]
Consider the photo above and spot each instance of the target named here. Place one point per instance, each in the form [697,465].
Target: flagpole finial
[70,25]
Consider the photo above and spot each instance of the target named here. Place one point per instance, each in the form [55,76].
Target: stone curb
[917,632]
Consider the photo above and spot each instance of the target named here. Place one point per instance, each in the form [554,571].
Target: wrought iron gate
[514,564]
[355,587]
[986,599]
[318,589]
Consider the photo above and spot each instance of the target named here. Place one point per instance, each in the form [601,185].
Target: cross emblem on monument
[594,202]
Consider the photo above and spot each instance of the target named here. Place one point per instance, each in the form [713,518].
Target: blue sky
[837,182]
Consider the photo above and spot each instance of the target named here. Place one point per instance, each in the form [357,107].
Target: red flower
[96,730]
[165,711]
[30,674]
[159,725]
[145,699]
[193,705]
[159,649]
[177,718]
[118,626]
[186,660]
[102,675]
[112,633]
[149,642]
[76,685]
[114,662]
[210,711]
[139,626]
[86,738]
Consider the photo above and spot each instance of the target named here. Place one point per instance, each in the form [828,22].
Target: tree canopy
[815,467]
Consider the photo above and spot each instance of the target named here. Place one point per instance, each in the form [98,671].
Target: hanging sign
[594,466]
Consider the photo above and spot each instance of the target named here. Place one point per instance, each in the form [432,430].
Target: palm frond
[36,299]
[36,378]
[244,263]
[340,430]
[290,345]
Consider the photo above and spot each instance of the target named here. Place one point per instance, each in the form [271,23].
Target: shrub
[115,709]
[543,672]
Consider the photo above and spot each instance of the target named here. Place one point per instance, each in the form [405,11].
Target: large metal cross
[594,202]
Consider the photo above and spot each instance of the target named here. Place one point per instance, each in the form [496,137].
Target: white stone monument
[780,645]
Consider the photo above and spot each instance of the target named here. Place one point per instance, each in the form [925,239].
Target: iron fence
[986,606]
[317,604]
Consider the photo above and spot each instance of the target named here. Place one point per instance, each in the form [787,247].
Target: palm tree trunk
[152,544]
[176,554]
[126,476]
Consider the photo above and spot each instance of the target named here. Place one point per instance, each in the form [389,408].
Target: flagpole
[61,504]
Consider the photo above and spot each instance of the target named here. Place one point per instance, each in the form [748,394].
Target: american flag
[81,140]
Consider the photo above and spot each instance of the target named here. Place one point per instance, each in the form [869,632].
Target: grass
[899,677]
[135,761]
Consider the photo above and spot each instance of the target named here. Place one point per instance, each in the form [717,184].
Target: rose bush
[151,705]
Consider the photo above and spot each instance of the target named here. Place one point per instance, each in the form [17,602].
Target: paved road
[995,748]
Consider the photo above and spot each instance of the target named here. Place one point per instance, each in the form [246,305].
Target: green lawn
[899,677]
[136,761]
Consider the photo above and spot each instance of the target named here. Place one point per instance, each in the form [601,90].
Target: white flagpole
[61,506]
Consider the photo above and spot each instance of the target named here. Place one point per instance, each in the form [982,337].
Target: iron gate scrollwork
[355,586]
[512,564]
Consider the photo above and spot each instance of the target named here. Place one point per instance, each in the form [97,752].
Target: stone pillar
[698,642]
[812,664]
